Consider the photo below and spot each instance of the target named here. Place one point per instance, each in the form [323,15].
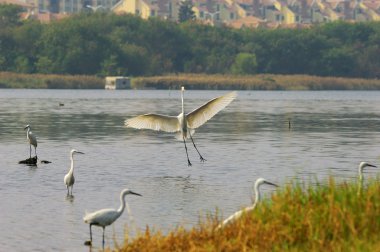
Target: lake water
[331,132]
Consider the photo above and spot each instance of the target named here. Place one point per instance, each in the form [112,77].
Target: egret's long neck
[257,195]
[72,164]
[122,204]
[27,133]
[361,174]
[183,106]
[360,182]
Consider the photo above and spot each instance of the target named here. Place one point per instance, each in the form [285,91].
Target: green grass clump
[329,217]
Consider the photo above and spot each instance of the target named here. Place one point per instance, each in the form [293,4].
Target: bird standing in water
[32,140]
[69,177]
[106,217]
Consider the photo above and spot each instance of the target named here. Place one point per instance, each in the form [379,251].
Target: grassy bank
[16,80]
[331,217]
[255,82]
[192,81]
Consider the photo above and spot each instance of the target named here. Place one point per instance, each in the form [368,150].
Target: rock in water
[29,161]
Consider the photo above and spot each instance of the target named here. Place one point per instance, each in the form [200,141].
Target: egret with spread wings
[184,123]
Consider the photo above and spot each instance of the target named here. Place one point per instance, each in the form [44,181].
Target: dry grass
[255,82]
[193,81]
[297,218]
[17,80]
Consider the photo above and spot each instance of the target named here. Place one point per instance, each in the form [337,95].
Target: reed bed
[322,217]
[18,80]
[255,82]
[192,81]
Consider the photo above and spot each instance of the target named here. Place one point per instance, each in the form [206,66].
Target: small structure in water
[117,82]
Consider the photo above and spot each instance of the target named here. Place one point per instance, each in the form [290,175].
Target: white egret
[32,140]
[69,177]
[249,209]
[183,123]
[362,165]
[106,217]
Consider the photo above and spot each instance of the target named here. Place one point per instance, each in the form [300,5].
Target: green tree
[186,12]
[9,15]
[339,62]
[245,63]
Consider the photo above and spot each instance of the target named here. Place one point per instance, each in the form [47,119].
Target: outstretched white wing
[205,112]
[154,122]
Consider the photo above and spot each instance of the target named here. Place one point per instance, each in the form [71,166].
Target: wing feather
[205,112]
[154,122]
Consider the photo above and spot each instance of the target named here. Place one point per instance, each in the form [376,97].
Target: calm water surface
[331,132]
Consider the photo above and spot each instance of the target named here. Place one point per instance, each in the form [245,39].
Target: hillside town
[232,13]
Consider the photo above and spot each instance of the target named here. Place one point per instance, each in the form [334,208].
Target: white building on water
[118,82]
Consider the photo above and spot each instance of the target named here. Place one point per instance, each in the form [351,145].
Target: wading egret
[106,217]
[69,177]
[249,209]
[362,165]
[32,140]
[183,123]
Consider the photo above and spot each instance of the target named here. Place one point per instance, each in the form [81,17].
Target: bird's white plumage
[106,217]
[193,119]
[362,165]
[184,123]
[32,139]
[235,216]
[154,122]
[69,178]
[103,217]
[201,115]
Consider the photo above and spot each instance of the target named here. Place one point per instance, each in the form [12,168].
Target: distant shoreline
[192,81]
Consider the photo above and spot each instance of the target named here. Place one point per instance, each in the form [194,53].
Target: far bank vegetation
[192,81]
[105,44]
[255,82]
[50,81]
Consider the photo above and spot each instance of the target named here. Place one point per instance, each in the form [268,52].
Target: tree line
[108,44]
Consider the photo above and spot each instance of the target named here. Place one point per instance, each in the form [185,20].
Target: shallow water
[331,132]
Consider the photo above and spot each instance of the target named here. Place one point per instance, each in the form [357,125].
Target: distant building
[233,13]
[118,82]
[166,9]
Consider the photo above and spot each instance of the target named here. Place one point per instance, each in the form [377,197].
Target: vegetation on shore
[255,82]
[192,81]
[104,44]
[322,217]
[16,80]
